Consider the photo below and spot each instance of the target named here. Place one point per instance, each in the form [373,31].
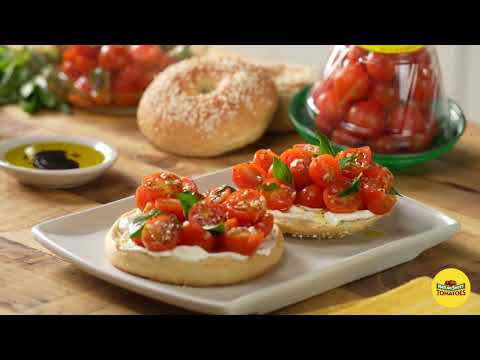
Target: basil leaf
[136,227]
[281,171]
[268,187]
[394,191]
[352,189]
[324,144]
[187,200]
[216,230]
[348,161]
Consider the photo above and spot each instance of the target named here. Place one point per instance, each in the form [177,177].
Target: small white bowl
[56,179]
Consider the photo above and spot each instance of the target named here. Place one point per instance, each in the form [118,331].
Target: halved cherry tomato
[386,94]
[243,240]
[248,206]
[278,196]
[189,185]
[69,69]
[150,55]
[83,84]
[380,175]
[354,161]
[290,155]
[265,224]
[219,194]
[207,215]
[407,119]
[163,184]
[368,117]
[324,170]
[81,58]
[264,158]
[194,235]
[338,204]
[351,83]
[345,137]
[114,57]
[313,150]
[380,67]
[170,206]
[379,202]
[162,233]
[311,196]
[248,175]
[129,79]
[299,170]
[138,240]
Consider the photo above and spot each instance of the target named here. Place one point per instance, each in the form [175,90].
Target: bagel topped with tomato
[178,235]
[313,193]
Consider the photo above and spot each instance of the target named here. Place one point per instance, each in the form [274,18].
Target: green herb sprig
[354,188]
[281,171]
[137,225]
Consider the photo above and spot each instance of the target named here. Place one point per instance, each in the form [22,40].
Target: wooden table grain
[34,281]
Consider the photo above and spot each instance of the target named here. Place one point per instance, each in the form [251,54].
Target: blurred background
[459,66]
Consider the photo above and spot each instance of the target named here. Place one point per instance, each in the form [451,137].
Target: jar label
[392,49]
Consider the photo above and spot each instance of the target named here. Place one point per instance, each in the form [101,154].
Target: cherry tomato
[125,99]
[420,141]
[351,83]
[159,185]
[407,119]
[243,240]
[83,84]
[219,194]
[368,117]
[380,67]
[424,89]
[69,69]
[341,204]
[380,202]
[422,57]
[324,170]
[162,233]
[379,176]
[321,87]
[354,55]
[386,94]
[264,158]
[344,137]
[290,155]
[311,196]
[278,196]
[389,144]
[207,214]
[189,185]
[194,235]
[72,52]
[248,175]
[265,225]
[114,57]
[247,206]
[170,206]
[150,55]
[330,106]
[325,124]
[299,170]
[354,161]
[128,80]
[313,150]
[138,241]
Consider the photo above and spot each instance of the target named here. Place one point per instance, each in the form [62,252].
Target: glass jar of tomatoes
[389,97]
[92,76]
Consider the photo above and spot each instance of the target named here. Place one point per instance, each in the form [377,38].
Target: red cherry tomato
[325,125]
[114,57]
[422,57]
[406,119]
[324,170]
[290,155]
[242,240]
[159,185]
[380,67]
[170,206]
[424,89]
[264,158]
[351,83]
[354,55]
[188,185]
[83,84]
[389,144]
[386,94]
[265,225]
[344,137]
[81,58]
[341,204]
[129,79]
[150,56]
[311,196]
[219,194]
[161,233]
[312,150]
[377,176]
[247,206]
[321,87]
[380,202]
[354,161]
[69,69]
[278,196]
[207,214]
[299,170]
[420,141]
[194,235]
[368,117]
[248,175]
[330,106]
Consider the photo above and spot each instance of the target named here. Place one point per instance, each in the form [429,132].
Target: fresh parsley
[281,171]
[353,188]
[136,227]
[187,200]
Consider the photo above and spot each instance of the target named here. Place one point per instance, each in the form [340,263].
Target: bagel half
[317,226]
[212,271]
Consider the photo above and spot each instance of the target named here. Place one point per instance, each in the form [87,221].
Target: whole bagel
[205,107]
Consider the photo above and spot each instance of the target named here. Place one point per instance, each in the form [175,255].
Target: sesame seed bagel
[205,107]
[211,271]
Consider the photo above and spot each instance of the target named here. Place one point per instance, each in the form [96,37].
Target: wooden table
[33,281]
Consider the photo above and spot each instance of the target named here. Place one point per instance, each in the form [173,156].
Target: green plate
[452,128]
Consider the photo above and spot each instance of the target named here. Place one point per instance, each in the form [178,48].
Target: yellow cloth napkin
[413,298]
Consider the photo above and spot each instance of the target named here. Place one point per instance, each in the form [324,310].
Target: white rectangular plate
[309,267]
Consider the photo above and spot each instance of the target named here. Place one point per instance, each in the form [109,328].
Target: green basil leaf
[353,188]
[348,161]
[31,105]
[281,171]
[216,230]
[48,99]
[394,191]
[187,199]
[180,52]
[136,227]
[324,144]
[268,187]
